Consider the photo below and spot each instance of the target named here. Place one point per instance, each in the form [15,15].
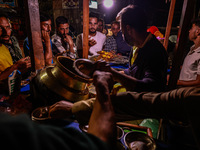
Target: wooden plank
[34,34]
[169,23]
[182,38]
[85,28]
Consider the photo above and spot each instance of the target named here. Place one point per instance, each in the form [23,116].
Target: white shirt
[100,38]
[191,65]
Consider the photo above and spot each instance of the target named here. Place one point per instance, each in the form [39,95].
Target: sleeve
[30,135]
[107,47]
[26,47]
[83,109]
[167,105]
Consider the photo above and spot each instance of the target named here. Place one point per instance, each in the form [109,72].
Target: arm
[102,122]
[69,40]
[79,46]
[127,81]
[189,83]
[22,65]
[47,52]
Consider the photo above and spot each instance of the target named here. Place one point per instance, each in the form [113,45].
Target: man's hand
[23,64]
[45,36]
[61,109]
[102,66]
[68,39]
[92,42]
[103,82]
[102,121]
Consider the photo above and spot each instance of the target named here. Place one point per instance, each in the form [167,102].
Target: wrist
[15,66]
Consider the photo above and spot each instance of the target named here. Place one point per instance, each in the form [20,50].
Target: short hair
[44,17]
[61,20]
[115,22]
[196,22]
[3,15]
[94,15]
[135,17]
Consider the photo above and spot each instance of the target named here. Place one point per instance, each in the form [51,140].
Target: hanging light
[108,3]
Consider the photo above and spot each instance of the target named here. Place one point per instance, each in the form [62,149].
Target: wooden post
[34,34]
[169,23]
[85,28]
[182,38]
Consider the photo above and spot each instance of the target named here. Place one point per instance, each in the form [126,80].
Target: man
[96,39]
[10,53]
[190,72]
[62,41]
[111,44]
[178,105]
[100,27]
[122,47]
[45,23]
[149,70]
[101,133]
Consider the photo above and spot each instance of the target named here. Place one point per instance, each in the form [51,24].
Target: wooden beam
[34,34]
[85,28]
[169,23]
[182,38]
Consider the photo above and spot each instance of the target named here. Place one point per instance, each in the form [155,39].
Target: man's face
[194,32]
[93,24]
[63,30]
[46,26]
[5,30]
[128,37]
[100,26]
[115,28]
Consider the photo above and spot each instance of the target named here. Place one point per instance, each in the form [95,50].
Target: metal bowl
[133,139]
[120,132]
[40,114]
[84,67]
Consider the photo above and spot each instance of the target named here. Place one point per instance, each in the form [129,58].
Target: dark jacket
[150,67]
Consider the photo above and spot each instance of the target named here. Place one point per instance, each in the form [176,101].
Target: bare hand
[45,36]
[23,64]
[61,109]
[92,42]
[103,82]
[102,66]
[68,39]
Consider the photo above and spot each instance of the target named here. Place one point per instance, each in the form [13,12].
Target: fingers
[92,42]
[45,35]
[102,66]
[61,109]
[103,81]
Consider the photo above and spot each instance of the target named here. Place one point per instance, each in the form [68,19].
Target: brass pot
[63,80]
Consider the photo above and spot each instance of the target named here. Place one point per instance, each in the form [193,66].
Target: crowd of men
[145,82]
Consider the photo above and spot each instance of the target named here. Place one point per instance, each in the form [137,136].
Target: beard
[2,40]
[92,30]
